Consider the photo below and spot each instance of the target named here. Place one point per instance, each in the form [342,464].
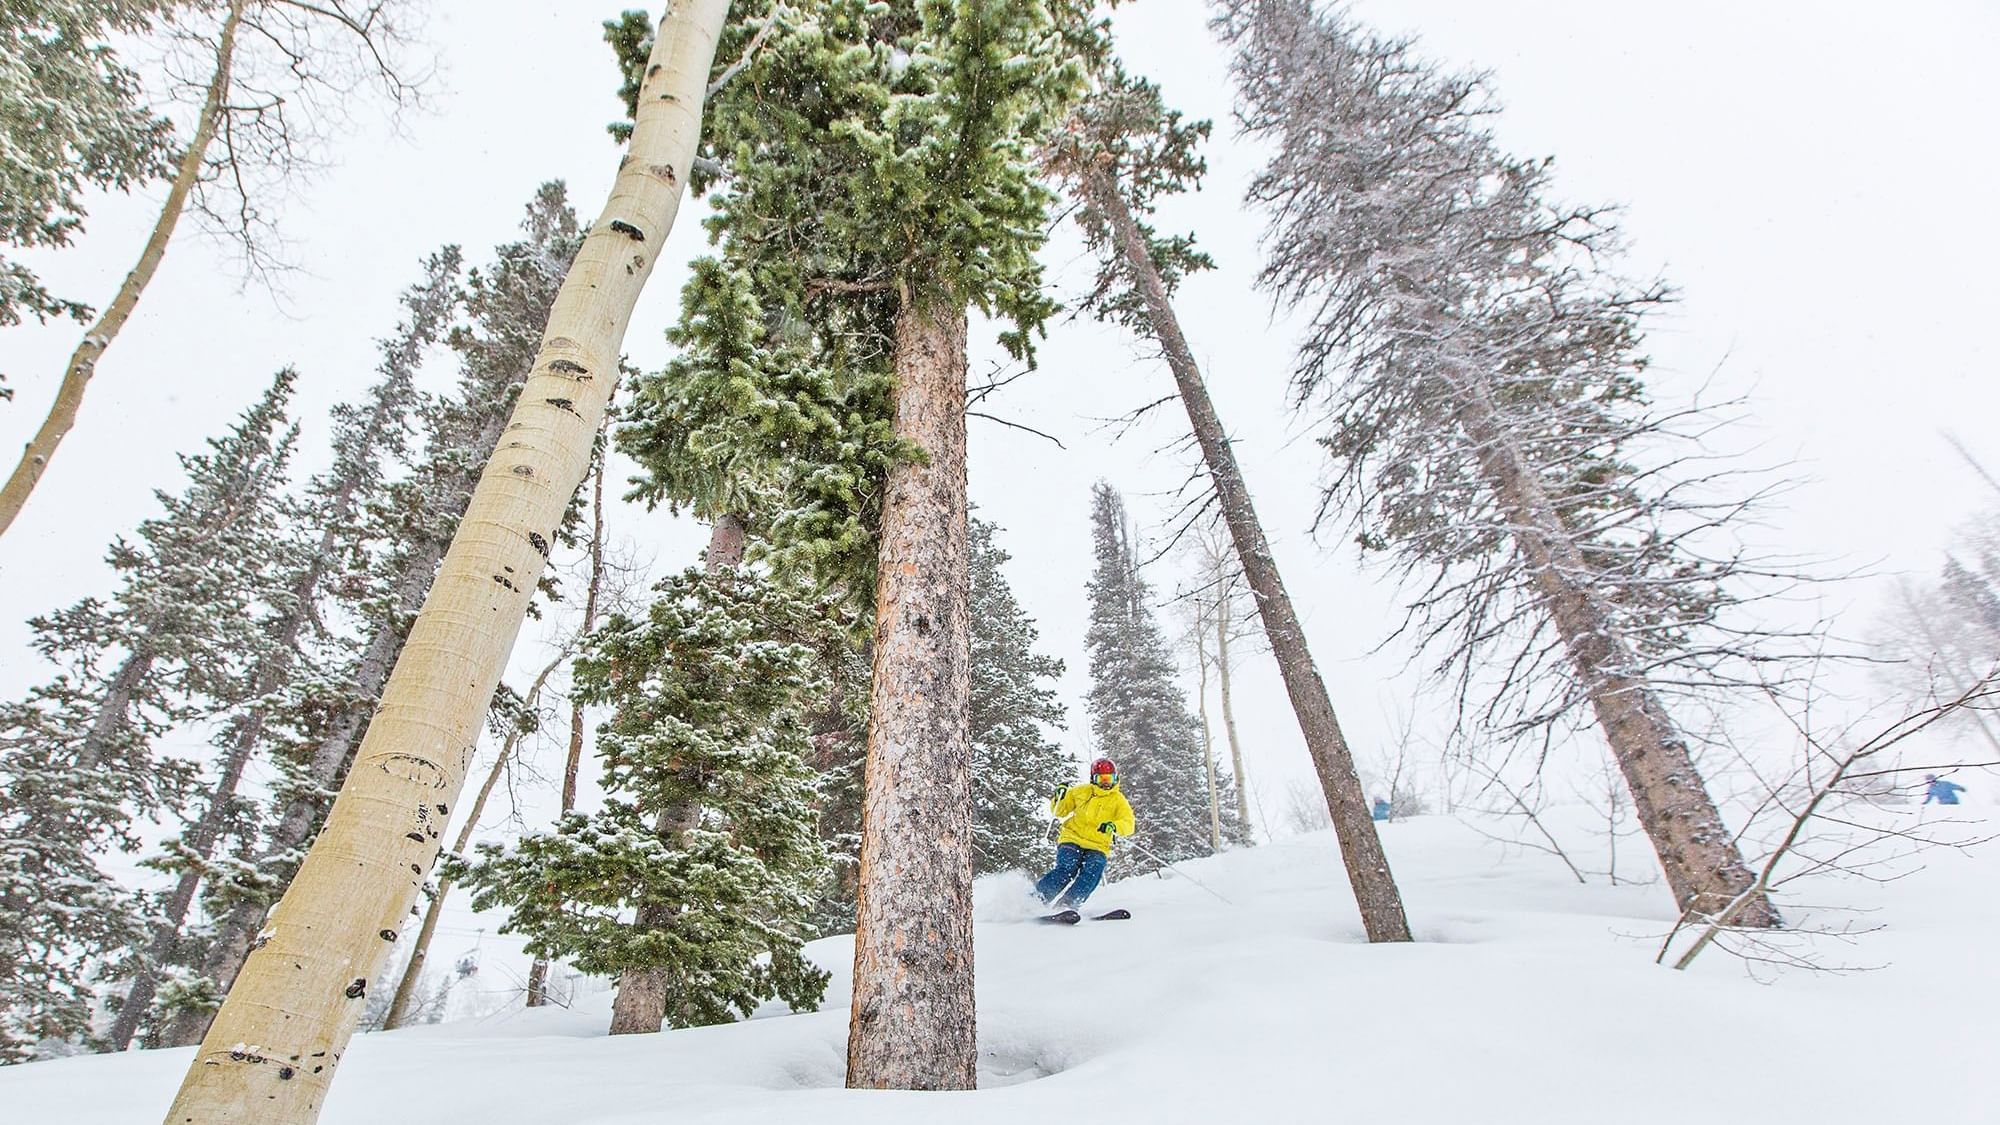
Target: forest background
[1797,171]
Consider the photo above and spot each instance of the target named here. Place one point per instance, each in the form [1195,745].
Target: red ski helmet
[1103,774]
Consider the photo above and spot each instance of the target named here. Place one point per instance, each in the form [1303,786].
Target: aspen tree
[267,54]
[278,1039]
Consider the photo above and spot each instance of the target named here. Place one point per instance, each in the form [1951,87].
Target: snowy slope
[1528,998]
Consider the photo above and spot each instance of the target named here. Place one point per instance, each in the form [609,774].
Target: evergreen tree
[79,760]
[712,691]
[1014,764]
[71,121]
[1481,371]
[317,721]
[367,439]
[1139,715]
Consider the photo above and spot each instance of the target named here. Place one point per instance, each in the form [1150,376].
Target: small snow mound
[1006,896]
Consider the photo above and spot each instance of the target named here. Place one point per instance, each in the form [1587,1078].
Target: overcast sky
[1816,179]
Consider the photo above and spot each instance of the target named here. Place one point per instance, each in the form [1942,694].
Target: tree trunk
[300,994]
[327,768]
[1360,848]
[640,1006]
[273,671]
[912,1025]
[83,362]
[1696,849]
[1222,624]
[1207,739]
[403,1005]
[200,843]
[538,973]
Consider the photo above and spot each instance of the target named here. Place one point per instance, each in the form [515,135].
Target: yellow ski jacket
[1086,806]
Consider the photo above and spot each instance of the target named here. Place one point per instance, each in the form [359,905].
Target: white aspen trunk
[272,673]
[1696,849]
[1375,893]
[1222,625]
[640,1005]
[275,1044]
[912,1025]
[83,361]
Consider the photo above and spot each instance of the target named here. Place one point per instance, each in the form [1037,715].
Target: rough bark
[640,1006]
[1360,848]
[1696,849]
[1222,625]
[83,361]
[277,1041]
[912,1026]
[403,1005]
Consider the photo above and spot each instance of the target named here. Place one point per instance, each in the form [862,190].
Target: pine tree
[366,439]
[711,691]
[1122,151]
[71,121]
[1138,713]
[297,993]
[79,760]
[1014,765]
[1481,372]
[317,723]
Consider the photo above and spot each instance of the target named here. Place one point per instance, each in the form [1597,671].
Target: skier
[1381,809]
[1092,815]
[1942,791]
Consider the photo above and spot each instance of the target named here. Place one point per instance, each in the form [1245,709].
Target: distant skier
[1942,791]
[1092,815]
[1381,811]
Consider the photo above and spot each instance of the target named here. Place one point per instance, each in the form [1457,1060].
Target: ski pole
[1148,852]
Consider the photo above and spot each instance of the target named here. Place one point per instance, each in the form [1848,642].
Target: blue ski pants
[1077,868]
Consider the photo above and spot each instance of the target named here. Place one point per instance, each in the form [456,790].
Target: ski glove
[1108,828]
[1058,794]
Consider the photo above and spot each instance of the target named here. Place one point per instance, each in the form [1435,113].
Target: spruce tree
[368,439]
[1014,705]
[71,121]
[1122,151]
[317,721]
[711,690]
[1139,715]
[80,764]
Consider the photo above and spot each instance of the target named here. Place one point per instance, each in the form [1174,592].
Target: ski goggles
[1108,778]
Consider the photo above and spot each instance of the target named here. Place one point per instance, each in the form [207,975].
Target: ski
[1117,915]
[1063,917]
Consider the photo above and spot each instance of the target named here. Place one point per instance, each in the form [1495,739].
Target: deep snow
[1527,998]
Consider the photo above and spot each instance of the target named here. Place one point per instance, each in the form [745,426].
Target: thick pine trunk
[1696,849]
[640,1006]
[1222,624]
[912,1025]
[83,362]
[274,1046]
[1360,848]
